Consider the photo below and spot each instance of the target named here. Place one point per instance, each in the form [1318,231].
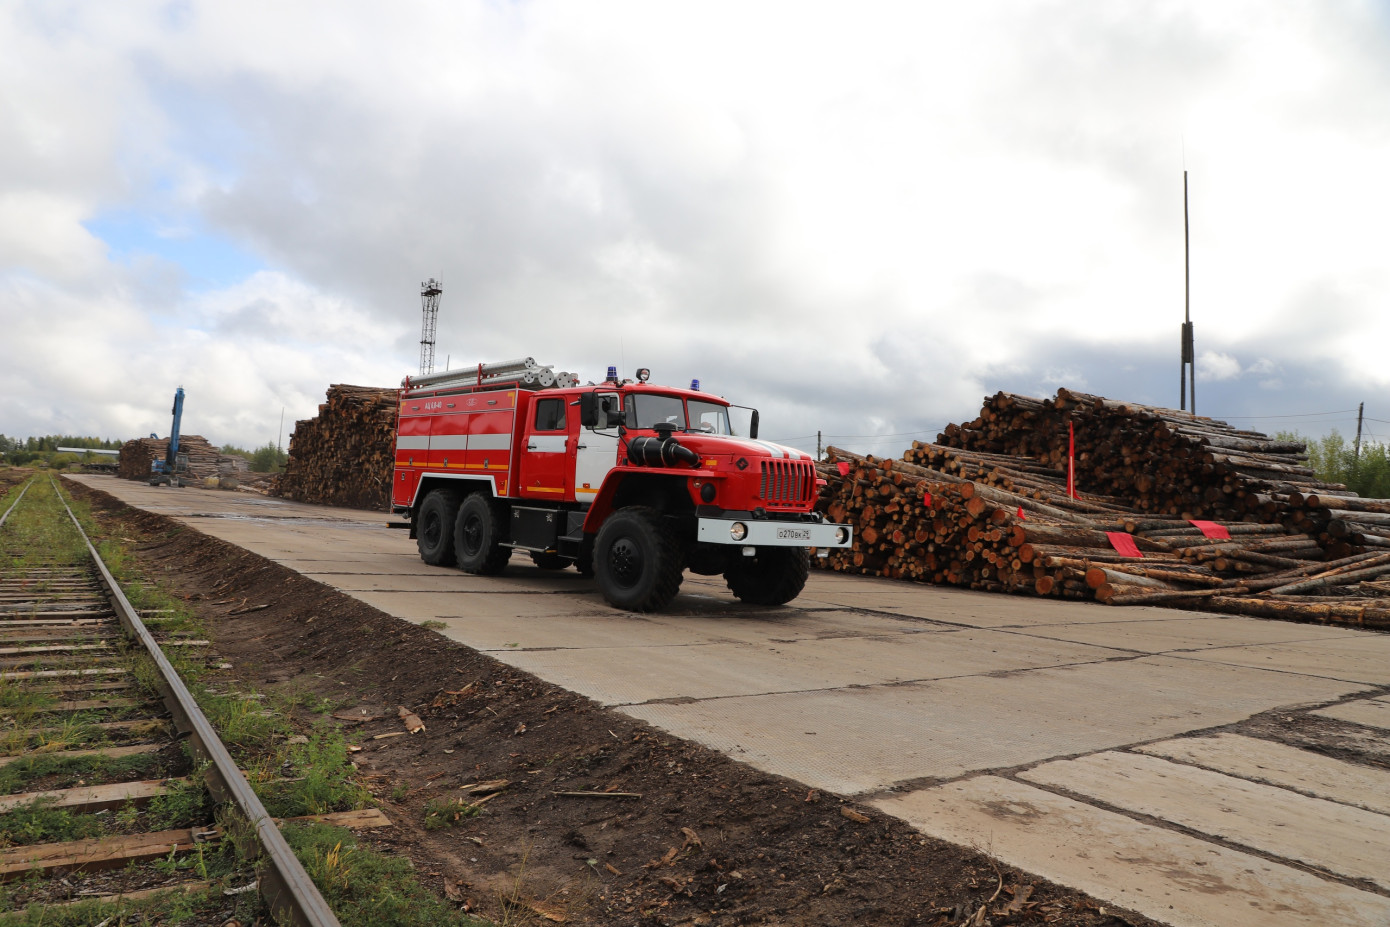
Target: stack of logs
[138,456]
[1159,460]
[1004,523]
[344,455]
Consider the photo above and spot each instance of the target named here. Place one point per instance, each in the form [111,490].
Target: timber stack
[137,457]
[989,508]
[345,454]
[1160,461]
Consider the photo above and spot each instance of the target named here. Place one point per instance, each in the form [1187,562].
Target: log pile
[1157,460]
[344,455]
[932,526]
[138,456]
[991,522]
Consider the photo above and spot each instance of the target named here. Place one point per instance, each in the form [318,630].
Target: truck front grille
[788,482]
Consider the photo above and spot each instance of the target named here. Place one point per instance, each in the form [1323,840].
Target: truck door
[596,451]
[544,474]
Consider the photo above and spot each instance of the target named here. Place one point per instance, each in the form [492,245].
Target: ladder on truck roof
[522,373]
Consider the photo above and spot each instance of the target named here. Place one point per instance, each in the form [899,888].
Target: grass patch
[39,822]
[446,812]
[186,804]
[21,699]
[90,770]
[70,734]
[367,889]
[310,778]
[433,625]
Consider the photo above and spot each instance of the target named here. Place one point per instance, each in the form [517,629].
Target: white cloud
[1214,365]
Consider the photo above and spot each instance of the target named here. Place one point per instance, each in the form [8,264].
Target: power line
[896,434]
[1293,415]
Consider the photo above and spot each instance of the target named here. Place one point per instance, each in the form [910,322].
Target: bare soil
[705,840]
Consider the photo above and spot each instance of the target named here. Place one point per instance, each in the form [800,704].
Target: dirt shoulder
[705,841]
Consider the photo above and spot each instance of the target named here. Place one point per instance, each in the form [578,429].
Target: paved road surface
[1053,735]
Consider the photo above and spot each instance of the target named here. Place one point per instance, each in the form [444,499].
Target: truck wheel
[637,560]
[547,561]
[434,532]
[478,535]
[775,576]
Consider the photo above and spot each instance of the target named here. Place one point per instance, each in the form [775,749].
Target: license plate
[794,534]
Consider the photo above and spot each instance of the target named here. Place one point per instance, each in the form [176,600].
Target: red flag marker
[843,467]
[1123,543]
[1071,459]
[1211,529]
[1020,513]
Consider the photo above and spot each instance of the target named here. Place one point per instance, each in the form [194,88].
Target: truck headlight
[841,535]
[738,531]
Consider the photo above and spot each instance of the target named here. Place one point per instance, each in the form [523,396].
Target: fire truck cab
[631,482]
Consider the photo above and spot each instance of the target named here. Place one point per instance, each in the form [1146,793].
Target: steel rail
[6,516]
[287,889]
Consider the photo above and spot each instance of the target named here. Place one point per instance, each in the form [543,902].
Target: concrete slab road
[1069,739]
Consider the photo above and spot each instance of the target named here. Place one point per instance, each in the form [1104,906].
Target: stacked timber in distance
[993,513]
[344,455]
[138,456]
[1159,460]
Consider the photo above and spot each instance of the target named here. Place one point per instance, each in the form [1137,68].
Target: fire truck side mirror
[600,412]
[753,425]
[588,410]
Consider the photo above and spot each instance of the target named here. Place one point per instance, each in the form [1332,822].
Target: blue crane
[169,470]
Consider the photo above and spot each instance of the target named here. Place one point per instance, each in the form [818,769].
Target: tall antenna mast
[1189,360]
[429,304]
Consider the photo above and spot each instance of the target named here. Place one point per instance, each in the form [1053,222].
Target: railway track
[115,784]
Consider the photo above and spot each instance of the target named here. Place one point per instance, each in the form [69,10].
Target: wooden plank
[57,619]
[94,704]
[136,724]
[54,674]
[55,648]
[93,797]
[114,752]
[356,820]
[20,636]
[101,853]
[186,888]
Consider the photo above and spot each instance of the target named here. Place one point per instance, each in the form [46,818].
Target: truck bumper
[762,533]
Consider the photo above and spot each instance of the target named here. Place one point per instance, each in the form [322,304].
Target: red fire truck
[632,483]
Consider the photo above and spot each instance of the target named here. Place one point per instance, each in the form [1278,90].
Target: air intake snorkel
[660,451]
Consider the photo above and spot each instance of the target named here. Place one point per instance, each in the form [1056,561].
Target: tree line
[265,459]
[1336,460]
[43,452]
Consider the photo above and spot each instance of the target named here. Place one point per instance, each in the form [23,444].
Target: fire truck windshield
[646,410]
[709,417]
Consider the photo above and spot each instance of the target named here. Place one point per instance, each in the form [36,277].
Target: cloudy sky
[861,218]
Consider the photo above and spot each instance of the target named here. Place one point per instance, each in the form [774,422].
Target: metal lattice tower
[429,304]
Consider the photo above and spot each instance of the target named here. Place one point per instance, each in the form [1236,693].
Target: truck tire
[775,576]
[434,531]
[637,560]
[478,535]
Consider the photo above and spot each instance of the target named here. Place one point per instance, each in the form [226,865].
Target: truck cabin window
[550,415]
[709,417]
[647,410]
